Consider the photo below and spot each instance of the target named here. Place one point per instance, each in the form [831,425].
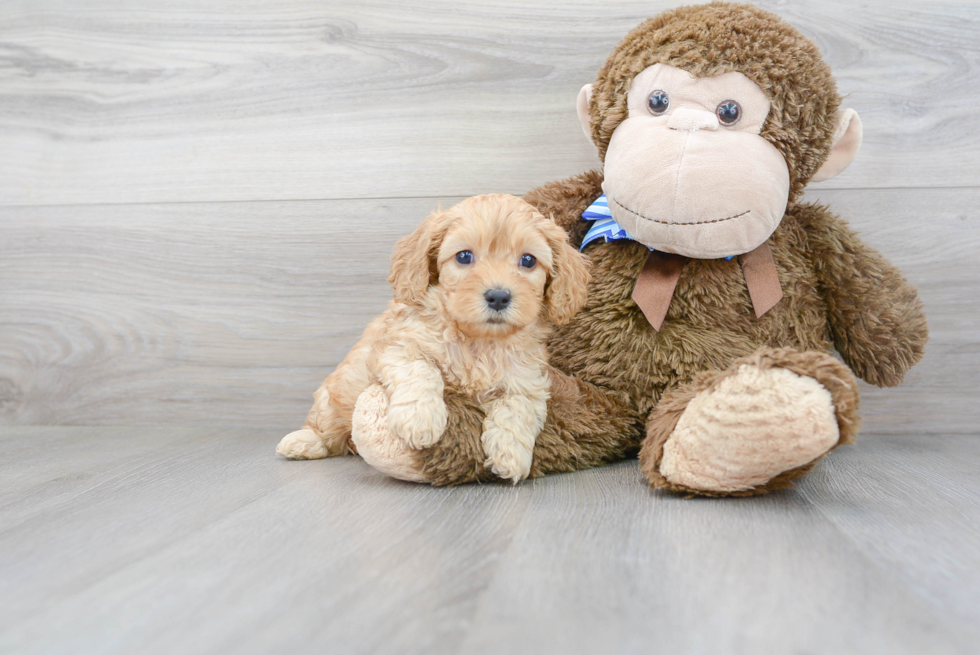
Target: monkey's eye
[528,261]
[658,102]
[464,257]
[728,112]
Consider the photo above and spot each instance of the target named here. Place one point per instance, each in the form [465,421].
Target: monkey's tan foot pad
[748,428]
[302,444]
[376,444]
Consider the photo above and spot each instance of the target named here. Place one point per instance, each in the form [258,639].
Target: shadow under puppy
[477,287]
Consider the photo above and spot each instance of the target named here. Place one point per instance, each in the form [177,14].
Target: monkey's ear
[846,142]
[582,106]
[413,265]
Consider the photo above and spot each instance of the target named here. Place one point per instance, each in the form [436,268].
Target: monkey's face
[687,171]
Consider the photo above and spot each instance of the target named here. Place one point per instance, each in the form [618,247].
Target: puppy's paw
[419,423]
[302,444]
[507,458]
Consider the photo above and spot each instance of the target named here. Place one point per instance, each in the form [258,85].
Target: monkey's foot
[752,428]
[302,444]
[376,443]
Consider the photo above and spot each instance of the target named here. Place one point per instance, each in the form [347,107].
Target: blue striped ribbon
[605,226]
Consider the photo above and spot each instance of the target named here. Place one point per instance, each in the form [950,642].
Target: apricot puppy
[477,288]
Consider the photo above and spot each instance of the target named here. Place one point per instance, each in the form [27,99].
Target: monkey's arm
[565,200]
[585,426]
[876,316]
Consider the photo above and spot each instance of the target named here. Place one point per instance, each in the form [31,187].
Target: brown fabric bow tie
[656,282]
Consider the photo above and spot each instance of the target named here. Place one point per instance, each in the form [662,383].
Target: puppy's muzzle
[497,299]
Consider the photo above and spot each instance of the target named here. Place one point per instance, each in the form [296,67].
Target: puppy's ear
[413,261]
[569,283]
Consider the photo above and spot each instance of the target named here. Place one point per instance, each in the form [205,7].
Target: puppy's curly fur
[477,288]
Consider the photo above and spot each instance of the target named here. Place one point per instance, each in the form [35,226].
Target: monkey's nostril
[497,299]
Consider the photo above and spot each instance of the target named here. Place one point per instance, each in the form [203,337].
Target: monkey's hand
[418,417]
[876,316]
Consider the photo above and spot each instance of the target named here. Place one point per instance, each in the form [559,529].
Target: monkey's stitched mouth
[654,220]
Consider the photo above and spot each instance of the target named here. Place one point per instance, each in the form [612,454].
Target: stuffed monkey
[717,294]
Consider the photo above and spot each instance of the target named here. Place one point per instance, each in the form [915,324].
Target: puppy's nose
[498,299]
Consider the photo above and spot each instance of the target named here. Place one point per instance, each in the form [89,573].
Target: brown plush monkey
[705,342]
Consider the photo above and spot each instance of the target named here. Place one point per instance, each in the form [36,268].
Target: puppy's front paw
[506,457]
[302,444]
[419,423]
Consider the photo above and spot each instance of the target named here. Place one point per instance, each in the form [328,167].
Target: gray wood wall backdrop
[198,199]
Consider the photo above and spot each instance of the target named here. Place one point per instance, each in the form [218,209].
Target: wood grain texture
[232,314]
[114,310]
[220,546]
[894,500]
[164,540]
[111,102]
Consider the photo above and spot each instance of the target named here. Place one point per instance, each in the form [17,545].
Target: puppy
[477,287]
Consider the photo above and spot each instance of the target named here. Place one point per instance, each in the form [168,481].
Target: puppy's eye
[528,261]
[728,112]
[464,257]
[658,102]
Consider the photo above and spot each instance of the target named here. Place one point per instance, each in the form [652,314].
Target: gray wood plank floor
[168,540]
